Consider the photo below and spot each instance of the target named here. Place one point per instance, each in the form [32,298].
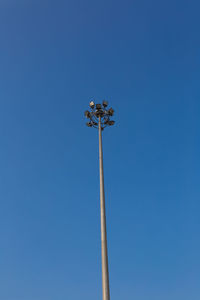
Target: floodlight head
[105,103]
[98,106]
[87,114]
[89,124]
[92,104]
[99,115]
[111,112]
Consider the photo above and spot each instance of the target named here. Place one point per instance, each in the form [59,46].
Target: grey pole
[100,117]
[104,250]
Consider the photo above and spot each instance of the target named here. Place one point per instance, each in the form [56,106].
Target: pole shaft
[104,251]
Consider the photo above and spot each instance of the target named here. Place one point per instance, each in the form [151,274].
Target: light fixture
[105,103]
[99,115]
[92,104]
[98,106]
[87,114]
[111,112]
[111,123]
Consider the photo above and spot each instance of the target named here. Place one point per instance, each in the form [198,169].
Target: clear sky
[144,58]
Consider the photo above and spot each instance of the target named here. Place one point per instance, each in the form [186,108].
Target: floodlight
[98,106]
[105,103]
[89,124]
[87,114]
[111,123]
[111,112]
[92,104]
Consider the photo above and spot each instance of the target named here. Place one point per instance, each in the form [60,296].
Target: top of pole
[99,111]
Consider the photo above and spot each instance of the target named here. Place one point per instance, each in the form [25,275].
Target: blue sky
[144,58]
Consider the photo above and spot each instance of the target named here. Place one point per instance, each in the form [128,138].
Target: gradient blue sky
[144,57]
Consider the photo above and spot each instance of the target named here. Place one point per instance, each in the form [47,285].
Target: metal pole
[104,251]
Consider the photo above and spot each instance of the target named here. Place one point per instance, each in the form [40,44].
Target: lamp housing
[98,106]
[87,114]
[111,122]
[105,103]
[111,112]
[89,124]
[92,104]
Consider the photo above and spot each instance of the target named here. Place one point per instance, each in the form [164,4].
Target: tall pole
[104,250]
[100,117]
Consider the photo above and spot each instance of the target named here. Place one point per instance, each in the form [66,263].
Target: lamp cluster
[99,113]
